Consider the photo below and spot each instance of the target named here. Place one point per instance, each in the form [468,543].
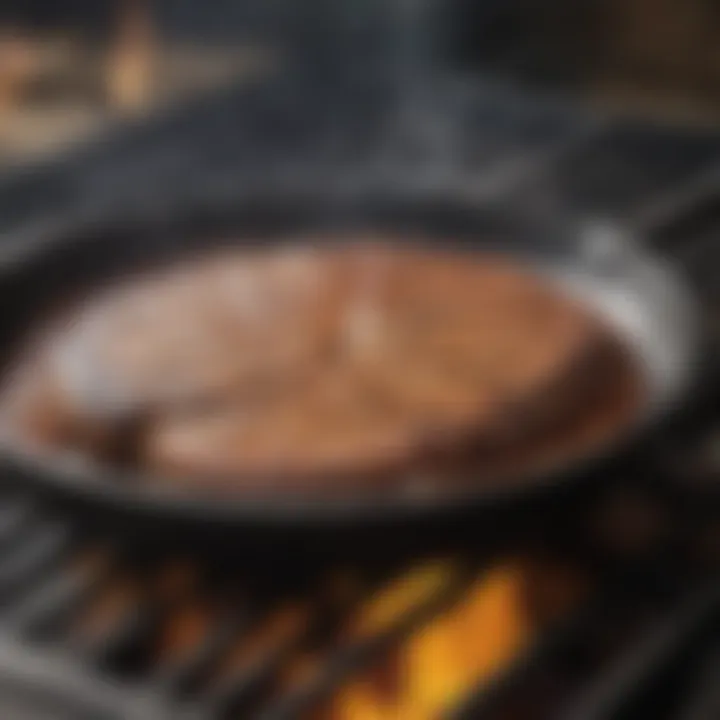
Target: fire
[462,647]
[404,595]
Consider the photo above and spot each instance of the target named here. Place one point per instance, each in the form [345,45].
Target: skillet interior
[645,301]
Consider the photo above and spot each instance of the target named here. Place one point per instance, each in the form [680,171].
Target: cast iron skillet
[642,297]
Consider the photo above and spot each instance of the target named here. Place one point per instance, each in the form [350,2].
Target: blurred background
[71,68]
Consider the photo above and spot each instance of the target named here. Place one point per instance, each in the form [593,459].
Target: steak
[304,365]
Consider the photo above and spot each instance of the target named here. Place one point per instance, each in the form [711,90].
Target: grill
[605,606]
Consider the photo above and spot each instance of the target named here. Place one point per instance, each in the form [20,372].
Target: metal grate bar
[704,702]
[242,688]
[52,603]
[15,513]
[187,673]
[340,663]
[110,650]
[619,693]
[39,551]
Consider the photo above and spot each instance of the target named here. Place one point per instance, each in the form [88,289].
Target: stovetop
[604,608]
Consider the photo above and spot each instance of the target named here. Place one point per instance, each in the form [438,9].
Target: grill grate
[173,638]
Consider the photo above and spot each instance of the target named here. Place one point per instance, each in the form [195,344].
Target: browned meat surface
[306,365]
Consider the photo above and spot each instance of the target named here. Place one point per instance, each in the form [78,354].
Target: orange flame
[461,648]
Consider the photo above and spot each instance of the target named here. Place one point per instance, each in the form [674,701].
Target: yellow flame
[447,658]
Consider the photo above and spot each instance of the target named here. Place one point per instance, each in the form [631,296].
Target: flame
[403,595]
[449,657]
[416,589]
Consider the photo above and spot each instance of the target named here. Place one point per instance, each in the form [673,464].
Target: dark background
[471,31]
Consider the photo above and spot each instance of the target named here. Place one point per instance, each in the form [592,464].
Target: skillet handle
[609,251]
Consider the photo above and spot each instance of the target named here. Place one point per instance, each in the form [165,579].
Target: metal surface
[647,301]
